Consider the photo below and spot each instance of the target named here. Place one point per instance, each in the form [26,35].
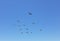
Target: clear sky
[45,14]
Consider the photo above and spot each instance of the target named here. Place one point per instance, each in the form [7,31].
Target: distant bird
[18,21]
[27,32]
[29,13]
[21,32]
[26,28]
[24,25]
[40,29]
[31,32]
[33,22]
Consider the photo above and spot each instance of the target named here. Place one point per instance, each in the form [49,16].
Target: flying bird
[18,21]
[33,22]
[29,13]
[31,32]
[21,32]
[40,29]
[27,32]
[27,29]
[24,25]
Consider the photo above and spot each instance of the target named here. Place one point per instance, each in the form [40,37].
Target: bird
[18,21]
[31,32]
[40,29]
[26,28]
[29,13]
[24,25]
[33,22]
[21,32]
[27,32]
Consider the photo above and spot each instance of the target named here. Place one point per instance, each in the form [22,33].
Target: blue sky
[45,14]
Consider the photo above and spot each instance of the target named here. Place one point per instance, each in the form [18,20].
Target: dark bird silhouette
[31,32]
[29,13]
[40,29]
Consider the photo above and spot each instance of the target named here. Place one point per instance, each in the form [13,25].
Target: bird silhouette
[40,29]
[31,32]
[29,13]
